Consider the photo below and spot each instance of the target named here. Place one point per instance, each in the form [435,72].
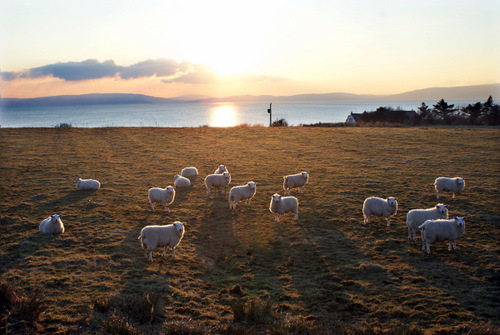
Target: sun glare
[223,116]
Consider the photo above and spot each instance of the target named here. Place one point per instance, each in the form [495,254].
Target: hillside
[478,92]
[241,272]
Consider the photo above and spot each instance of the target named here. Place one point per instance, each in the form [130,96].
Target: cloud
[149,68]
[169,69]
[74,71]
[194,74]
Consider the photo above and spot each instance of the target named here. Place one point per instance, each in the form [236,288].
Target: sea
[195,114]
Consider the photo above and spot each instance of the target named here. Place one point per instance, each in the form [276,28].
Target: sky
[222,48]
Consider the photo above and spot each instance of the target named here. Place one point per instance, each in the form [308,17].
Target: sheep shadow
[477,294]
[15,255]
[72,197]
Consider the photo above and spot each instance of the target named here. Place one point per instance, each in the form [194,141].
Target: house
[353,117]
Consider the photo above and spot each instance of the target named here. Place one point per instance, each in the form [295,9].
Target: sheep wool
[180,181]
[444,184]
[442,230]
[280,205]
[87,184]
[52,225]
[217,180]
[161,236]
[244,192]
[380,207]
[190,171]
[295,180]
[417,217]
[164,195]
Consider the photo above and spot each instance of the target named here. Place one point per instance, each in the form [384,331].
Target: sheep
[189,172]
[221,169]
[443,184]
[52,225]
[380,207]
[164,195]
[87,184]
[442,230]
[181,181]
[280,205]
[295,180]
[416,217]
[243,192]
[217,180]
[161,236]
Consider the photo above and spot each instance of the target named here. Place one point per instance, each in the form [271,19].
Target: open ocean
[191,114]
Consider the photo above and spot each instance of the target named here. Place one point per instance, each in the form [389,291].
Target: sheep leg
[166,208]
[415,236]
[453,195]
[164,251]
[173,252]
[367,218]
[409,234]
[454,244]
[208,191]
[150,253]
[388,222]
[296,216]
[152,207]
[222,191]
[427,247]
[438,194]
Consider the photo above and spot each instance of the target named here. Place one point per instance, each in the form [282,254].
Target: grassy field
[241,272]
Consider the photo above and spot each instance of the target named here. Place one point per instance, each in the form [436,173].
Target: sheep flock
[433,222]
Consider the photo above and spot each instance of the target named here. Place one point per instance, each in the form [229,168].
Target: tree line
[479,113]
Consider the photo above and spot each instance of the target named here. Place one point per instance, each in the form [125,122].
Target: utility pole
[270,115]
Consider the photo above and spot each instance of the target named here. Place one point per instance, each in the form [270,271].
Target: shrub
[256,311]
[119,325]
[64,125]
[280,123]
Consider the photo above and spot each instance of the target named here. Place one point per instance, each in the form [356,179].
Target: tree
[444,111]
[424,112]
[473,112]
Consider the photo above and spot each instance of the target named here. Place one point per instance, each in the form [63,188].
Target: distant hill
[477,92]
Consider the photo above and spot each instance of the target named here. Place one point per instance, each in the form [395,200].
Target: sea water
[194,114]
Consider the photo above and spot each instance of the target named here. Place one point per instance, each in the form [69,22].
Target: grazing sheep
[444,184]
[280,205]
[217,180]
[244,192]
[380,207]
[295,180]
[52,225]
[181,181]
[161,236]
[221,169]
[164,195]
[189,172]
[87,184]
[442,230]
[416,217]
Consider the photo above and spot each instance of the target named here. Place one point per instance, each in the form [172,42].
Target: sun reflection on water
[223,116]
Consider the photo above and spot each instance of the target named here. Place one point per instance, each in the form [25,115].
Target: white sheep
[454,185]
[295,180]
[217,180]
[280,205]
[221,169]
[380,207]
[161,236]
[181,181]
[416,217]
[87,184]
[164,195]
[442,230]
[244,192]
[189,172]
[52,225]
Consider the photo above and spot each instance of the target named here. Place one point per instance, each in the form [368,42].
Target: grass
[241,272]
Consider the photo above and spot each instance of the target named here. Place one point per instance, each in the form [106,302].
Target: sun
[223,116]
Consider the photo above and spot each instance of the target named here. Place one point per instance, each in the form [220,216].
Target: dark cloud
[149,68]
[74,71]
[169,69]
